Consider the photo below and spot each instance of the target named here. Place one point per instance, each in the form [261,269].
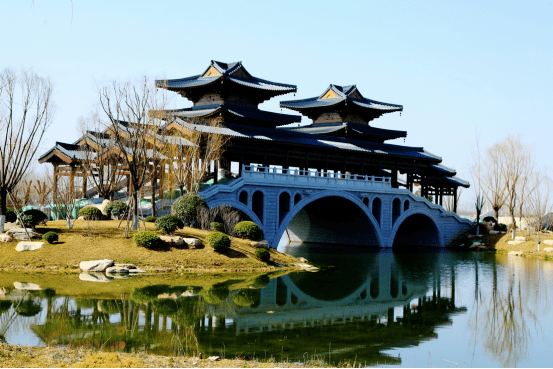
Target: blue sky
[457,67]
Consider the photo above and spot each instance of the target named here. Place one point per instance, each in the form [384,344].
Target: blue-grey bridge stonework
[310,206]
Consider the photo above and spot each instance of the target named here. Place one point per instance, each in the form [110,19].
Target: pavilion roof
[458,181]
[64,151]
[236,113]
[219,71]
[306,139]
[335,95]
[363,131]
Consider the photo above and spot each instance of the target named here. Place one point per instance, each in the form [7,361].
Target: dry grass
[529,247]
[103,240]
[12,356]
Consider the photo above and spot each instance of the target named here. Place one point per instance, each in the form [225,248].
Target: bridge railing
[267,174]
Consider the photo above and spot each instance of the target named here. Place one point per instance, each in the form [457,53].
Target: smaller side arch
[407,214]
[377,209]
[243,197]
[284,205]
[258,204]
[297,198]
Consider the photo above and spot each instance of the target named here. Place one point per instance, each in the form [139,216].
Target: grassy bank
[90,240]
[529,247]
[49,357]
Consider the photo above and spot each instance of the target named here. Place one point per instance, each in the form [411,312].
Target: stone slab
[548,249]
[520,238]
[194,242]
[260,245]
[136,271]
[95,265]
[515,242]
[548,242]
[6,238]
[172,240]
[26,286]
[117,269]
[28,246]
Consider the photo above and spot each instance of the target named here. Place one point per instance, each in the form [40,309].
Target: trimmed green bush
[489,219]
[149,293]
[261,281]
[48,293]
[165,307]
[5,305]
[186,207]
[28,308]
[262,254]
[147,239]
[33,217]
[168,224]
[150,219]
[11,217]
[50,237]
[248,230]
[217,226]
[216,294]
[90,213]
[218,240]
[500,227]
[245,297]
[115,208]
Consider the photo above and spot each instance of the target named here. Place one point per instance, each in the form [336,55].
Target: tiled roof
[299,138]
[458,181]
[70,151]
[237,111]
[227,71]
[344,94]
[443,169]
[362,129]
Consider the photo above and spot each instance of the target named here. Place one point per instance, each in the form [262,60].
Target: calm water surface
[417,308]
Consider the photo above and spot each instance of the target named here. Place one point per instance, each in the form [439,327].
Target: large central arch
[330,217]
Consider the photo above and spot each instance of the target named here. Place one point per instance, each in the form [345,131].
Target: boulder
[19,230]
[475,245]
[127,265]
[307,267]
[117,269]
[95,265]
[20,234]
[213,358]
[548,242]
[103,205]
[26,286]
[193,242]
[117,275]
[494,232]
[515,242]
[520,238]
[94,277]
[28,246]
[548,249]
[303,260]
[516,253]
[6,238]
[172,240]
[260,245]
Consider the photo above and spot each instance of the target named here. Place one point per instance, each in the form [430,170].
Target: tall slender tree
[26,112]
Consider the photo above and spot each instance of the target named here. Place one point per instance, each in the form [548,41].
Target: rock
[95,265]
[494,232]
[475,245]
[260,245]
[117,275]
[303,260]
[94,277]
[136,271]
[520,238]
[103,206]
[26,286]
[213,358]
[20,230]
[548,242]
[117,269]
[20,234]
[548,249]
[28,246]
[194,242]
[6,238]
[515,242]
[128,265]
[516,253]
[172,240]
[307,267]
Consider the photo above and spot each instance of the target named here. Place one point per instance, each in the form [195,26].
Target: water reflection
[362,305]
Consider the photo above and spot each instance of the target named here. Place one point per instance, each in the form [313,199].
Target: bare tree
[42,190]
[495,192]
[25,114]
[65,202]
[515,164]
[539,207]
[101,165]
[135,132]
[476,173]
[201,144]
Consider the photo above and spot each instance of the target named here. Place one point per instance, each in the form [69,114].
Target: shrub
[33,217]
[217,226]
[245,297]
[150,219]
[489,219]
[147,239]
[50,237]
[218,240]
[186,207]
[11,217]
[149,293]
[116,208]
[90,213]
[261,281]
[216,294]
[168,224]
[262,254]
[500,227]
[5,305]
[249,230]
[28,308]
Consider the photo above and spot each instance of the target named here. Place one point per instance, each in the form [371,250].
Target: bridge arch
[353,202]
[238,206]
[284,204]
[422,226]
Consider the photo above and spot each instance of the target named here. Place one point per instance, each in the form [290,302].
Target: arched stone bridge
[310,206]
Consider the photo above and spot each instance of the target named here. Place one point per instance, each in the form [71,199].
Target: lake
[372,307]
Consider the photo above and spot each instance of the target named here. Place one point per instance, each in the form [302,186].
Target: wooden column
[85,182]
[216,170]
[161,179]
[72,180]
[394,178]
[153,183]
[55,188]
[455,200]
